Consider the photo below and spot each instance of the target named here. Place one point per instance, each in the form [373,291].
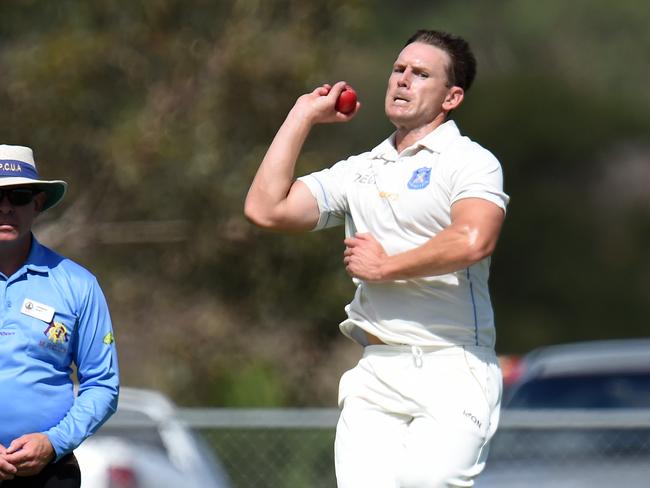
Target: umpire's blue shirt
[52,314]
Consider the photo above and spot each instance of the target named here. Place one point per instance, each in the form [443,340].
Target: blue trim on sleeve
[471,294]
[325,201]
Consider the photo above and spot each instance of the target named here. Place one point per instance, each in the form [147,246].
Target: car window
[136,435]
[561,445]
[606,390]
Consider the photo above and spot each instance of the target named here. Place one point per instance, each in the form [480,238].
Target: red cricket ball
[347,101]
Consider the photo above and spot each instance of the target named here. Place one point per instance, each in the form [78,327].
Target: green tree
[159,112]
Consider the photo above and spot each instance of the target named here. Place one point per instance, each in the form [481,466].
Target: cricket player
[422,213]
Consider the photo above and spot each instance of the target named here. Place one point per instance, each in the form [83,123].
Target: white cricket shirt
[403,200]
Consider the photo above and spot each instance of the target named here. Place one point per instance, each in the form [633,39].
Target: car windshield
[604,390]
[136,427]
[135,435]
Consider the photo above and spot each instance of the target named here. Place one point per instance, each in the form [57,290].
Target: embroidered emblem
[420,178]
[109,339]
[57,333]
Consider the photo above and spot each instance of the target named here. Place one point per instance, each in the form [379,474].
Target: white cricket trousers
[417,417]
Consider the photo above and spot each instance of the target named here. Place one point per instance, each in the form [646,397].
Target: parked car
[596,374]
[578,416]
[146,445]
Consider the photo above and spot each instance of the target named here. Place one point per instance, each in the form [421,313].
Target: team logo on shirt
[420,178]
[57,333]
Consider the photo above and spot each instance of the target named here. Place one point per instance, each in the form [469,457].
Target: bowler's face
[16,220]
[417,86]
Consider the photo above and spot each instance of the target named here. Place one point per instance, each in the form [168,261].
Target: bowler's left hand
[30,453]
[363,257]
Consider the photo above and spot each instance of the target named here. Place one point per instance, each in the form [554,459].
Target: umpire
[53,314]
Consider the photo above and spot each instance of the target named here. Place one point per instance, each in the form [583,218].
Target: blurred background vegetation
[158,112]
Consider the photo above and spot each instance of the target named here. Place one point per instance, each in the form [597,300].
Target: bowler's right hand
[318,107]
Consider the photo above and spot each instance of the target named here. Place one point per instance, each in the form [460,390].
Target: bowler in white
[422,213]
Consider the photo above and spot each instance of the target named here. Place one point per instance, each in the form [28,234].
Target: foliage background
[157,113]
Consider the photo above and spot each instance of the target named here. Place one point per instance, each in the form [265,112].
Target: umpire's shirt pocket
[50,342]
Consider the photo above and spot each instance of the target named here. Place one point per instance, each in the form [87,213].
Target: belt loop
[417,356]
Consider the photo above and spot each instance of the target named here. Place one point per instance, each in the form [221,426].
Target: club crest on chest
[420,178]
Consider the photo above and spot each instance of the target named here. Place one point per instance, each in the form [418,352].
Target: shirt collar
[37,257]
[436,141]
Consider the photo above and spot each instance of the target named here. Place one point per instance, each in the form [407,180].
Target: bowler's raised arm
[275,199]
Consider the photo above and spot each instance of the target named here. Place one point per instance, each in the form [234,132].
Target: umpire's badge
[420,178]
[57,333]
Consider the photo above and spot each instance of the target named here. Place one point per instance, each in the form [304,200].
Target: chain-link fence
[570,448]
[270,448]
[293,448]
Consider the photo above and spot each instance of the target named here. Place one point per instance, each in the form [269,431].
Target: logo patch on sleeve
[109,339]
[420,178]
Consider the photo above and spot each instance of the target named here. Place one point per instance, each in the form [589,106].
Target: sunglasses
[18,196]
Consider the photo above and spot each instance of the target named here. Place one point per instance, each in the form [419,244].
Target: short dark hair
[462,69]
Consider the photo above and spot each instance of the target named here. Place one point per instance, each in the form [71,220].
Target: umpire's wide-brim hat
[17,168]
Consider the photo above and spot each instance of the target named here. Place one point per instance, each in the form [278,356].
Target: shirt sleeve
[478,174]
[328,188]
[95,356]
